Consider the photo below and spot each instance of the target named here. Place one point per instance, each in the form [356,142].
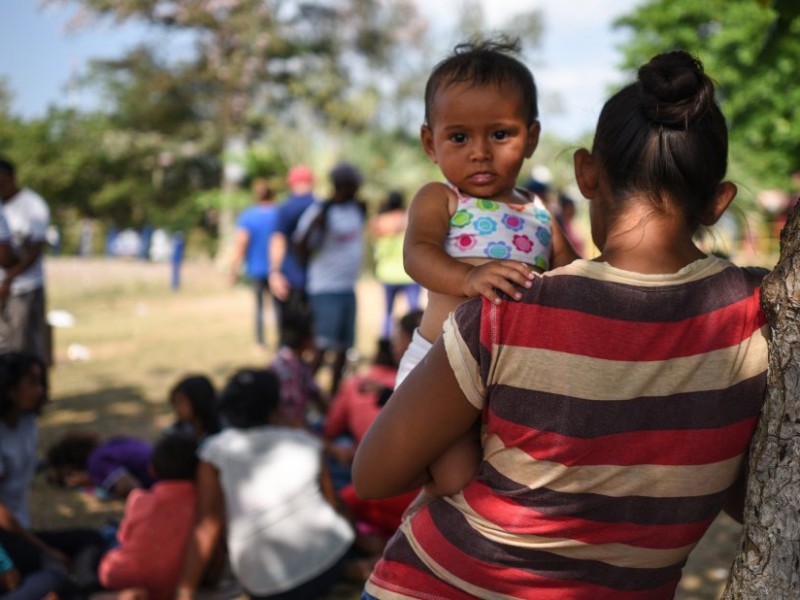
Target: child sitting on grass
[156,526]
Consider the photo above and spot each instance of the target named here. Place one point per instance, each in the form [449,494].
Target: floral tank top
[498,231]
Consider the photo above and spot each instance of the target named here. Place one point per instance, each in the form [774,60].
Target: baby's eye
[500,135]
[458,138]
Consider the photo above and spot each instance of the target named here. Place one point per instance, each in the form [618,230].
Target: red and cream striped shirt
[616,411]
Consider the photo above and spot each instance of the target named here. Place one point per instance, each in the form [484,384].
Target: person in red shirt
[156,526]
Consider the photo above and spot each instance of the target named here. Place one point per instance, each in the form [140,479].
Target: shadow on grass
[120,410]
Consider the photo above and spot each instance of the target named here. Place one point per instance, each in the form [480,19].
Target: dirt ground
[133,338]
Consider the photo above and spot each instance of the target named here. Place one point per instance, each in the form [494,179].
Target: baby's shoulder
[435,196]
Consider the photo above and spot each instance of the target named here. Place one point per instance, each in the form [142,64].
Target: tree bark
[767,564]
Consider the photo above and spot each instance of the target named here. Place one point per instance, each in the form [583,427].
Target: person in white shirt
[331,235]
[22,297]
[265,487]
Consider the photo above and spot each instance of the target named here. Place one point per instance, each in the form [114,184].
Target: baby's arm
[428,264]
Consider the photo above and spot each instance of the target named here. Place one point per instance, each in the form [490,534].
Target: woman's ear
[426,136]
[587,173]
[726,192]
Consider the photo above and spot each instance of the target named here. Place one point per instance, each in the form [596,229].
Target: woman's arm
[424,416]
[207,530]
[10,523]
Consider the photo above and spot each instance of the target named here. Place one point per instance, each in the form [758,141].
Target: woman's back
[618,409]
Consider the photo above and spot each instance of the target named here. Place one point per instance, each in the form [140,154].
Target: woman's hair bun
[675,90]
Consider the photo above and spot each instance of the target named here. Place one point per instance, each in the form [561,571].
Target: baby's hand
[497,275]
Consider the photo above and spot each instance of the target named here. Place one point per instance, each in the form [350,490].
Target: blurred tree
[255,64]
[752,50]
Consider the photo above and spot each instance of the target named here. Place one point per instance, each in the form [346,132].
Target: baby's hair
[665,136]
[175,457]
[251,398]
[481,63]
[202,397]
[13,367]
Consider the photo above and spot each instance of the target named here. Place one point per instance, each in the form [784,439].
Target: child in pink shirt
[156,525]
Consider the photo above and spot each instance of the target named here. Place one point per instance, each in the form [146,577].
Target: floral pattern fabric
[482,228]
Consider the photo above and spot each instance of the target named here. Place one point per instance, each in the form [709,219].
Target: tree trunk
[767,565]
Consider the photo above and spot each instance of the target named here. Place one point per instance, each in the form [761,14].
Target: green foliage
[751,49]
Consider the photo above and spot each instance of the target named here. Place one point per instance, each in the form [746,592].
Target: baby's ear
[426,136]
[533,138]
[726,192]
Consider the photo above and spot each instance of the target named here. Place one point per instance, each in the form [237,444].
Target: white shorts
[415,352]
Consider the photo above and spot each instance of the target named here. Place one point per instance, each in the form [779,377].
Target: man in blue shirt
[287,278]
[254,229]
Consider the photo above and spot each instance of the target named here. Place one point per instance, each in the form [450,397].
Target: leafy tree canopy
[751,49]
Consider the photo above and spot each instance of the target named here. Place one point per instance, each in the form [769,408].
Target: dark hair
[202,397]
[175,457]
[394,201]
[296,329]
[70,453]
[250,398]
[480,63]
[13,367]
[410,321]
[384,356]
[7,167]
[665,136]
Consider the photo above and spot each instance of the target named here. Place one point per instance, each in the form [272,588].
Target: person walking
[253,232]
[331,235]
[387,230]
[287,276]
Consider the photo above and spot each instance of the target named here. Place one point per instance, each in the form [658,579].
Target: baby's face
[479,136]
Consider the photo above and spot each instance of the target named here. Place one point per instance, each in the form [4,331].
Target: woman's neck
[643,240]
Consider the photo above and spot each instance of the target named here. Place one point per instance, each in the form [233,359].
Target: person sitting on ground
[265,488]
[303,404]
[156,525]
[113,467]
[354,409]
[194,401]
[60,561]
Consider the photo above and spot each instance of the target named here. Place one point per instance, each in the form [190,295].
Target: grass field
[141,337]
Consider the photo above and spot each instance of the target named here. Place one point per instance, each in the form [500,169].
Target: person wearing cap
[331,235]
[253,232]
[287,276]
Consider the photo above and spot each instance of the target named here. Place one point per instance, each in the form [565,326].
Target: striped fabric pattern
[617,409]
